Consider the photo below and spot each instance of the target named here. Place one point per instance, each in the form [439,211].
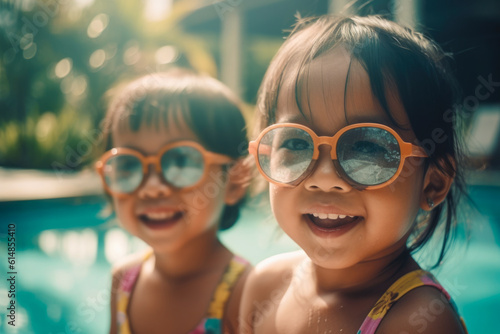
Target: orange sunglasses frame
[209,158]
[407,150]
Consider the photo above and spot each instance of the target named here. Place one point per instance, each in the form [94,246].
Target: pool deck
[20,185]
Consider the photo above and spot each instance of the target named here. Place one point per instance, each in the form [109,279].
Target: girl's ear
[436,187]
[239,177]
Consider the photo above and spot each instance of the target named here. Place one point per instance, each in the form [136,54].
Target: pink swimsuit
[397,290]
[211,324]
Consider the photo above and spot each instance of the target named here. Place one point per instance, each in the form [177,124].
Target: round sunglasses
[366,155]
[182,165]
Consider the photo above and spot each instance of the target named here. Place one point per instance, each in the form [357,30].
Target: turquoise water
[65,246]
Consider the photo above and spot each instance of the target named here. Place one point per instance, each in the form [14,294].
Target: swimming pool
[64,248]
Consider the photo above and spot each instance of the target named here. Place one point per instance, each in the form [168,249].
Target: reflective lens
[182,166]
[123,173]
[285,153]
[369,156]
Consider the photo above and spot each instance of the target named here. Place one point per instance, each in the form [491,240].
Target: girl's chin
[329,259]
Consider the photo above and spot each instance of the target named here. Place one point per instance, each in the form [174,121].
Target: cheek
[123,209]
[398,204]
[389,210]
[205,201]
[410,183]
[281,202]
[274,197]
[411,176]
[118,205]
[198,200]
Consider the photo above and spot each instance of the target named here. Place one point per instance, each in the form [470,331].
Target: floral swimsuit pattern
[211,324]
[397,290]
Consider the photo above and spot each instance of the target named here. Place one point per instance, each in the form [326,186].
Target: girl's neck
[366,276]
[192,259]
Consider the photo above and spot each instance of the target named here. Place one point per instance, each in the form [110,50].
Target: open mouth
[331,223]
[161,219]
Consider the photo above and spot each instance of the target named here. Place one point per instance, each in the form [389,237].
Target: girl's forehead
[149,138]
[331,92]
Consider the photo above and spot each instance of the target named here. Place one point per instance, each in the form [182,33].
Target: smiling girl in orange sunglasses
[175,173]
[361,163]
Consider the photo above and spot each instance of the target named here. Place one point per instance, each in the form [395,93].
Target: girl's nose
[154,186]
[324,176]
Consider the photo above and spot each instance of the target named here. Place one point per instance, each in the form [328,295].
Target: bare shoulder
[279,264]
[123,265]
[120,267]
[422,310]
[233,303]
[117,271]
[267,283]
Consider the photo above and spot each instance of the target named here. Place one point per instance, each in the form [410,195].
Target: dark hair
[207,106]
[394,57]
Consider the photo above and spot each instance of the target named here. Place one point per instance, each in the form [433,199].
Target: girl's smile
[329,221]
[331,228]
[160,217]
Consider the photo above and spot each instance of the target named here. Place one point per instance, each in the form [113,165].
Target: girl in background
[175,173]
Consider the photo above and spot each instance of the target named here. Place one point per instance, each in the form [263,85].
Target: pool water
[64,248]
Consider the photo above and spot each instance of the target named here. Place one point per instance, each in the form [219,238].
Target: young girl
[357,139]
[175,175]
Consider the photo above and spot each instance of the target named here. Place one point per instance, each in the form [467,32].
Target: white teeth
[160,215]
[330,216]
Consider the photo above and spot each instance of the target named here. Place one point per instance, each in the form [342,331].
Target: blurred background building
[469,30]
[58,58]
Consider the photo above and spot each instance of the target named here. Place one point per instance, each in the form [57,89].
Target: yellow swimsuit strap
[224,288]
[395,292]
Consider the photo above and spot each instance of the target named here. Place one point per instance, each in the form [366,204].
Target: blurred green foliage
[58,139]
[259,50]
[59,58]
